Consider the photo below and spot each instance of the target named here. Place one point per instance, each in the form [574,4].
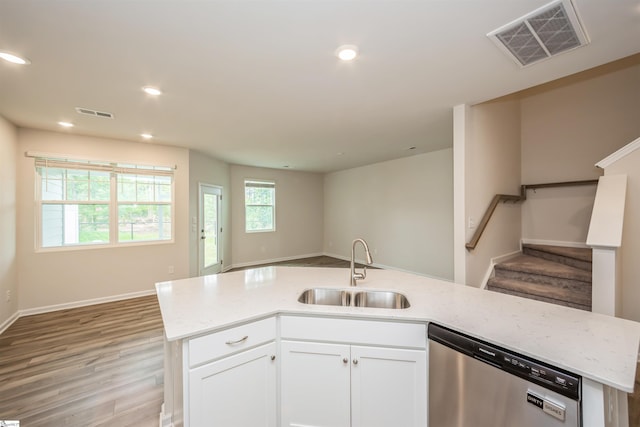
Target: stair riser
[543,291]
[540,278]
[541,298]
[557,275]
[572,262]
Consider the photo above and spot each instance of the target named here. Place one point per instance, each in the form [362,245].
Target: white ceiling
[258,83]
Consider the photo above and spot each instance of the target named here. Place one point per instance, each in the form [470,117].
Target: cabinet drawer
[219,344]
[366,332]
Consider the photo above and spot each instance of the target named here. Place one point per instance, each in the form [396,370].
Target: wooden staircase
[559,275]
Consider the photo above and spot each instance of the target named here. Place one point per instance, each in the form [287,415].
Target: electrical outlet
[472,222]
[171,269]
[8,295]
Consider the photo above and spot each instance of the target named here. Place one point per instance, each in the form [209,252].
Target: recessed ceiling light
[347,52]
[146,135]
[14,59]
[66,124]
[153,91]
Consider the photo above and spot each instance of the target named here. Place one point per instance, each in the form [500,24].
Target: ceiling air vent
[90,112]
[541,34]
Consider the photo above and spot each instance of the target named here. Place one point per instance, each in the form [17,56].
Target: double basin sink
[354,298]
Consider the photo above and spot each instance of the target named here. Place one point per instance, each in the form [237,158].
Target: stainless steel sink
[381,299]
[325,296]
[343,297]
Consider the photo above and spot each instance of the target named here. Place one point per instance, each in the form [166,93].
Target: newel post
[605,238]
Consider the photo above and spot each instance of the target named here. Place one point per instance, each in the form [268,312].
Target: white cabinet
[343,385]
[326,372]
[315,384]
[231,377]
[238,391]
[388,387]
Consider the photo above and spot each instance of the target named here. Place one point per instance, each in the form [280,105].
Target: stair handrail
[518,199]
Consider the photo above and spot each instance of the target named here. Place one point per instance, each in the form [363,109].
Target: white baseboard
[270,261]
[555,243]
[164,419]
[386,267]
[5,325]
[344,258]
[84,303]
[492,263]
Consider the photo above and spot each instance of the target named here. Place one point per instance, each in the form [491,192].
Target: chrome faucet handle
[359,276]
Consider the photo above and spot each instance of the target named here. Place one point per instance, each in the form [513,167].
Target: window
[100,203]
[260,206]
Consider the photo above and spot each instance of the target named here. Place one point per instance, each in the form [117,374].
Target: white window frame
[114,169]
[265,183]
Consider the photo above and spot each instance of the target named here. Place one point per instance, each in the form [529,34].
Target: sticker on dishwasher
[554,409]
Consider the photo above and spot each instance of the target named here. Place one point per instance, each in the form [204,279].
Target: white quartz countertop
[599,347]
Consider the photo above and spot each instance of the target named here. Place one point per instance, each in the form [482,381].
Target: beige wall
[402,208]
[206,170]
[564,128]
[54,278]
[8,262]
[630,166]
[568,126]
[299,216]
[492,166]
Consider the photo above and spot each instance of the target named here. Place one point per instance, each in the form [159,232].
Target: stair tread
[581,254]
[551,292]
[534,265]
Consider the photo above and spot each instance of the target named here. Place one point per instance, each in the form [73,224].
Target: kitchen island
[602,349]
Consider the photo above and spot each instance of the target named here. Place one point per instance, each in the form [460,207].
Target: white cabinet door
[388,387]
[314,387]
[237,391]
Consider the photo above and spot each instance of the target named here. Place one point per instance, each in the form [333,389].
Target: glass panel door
[209,226]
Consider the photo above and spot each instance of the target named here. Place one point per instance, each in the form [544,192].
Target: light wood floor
[92,366]
[102,365]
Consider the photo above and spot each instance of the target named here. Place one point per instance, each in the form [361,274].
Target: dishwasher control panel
[564,383]
[553,378]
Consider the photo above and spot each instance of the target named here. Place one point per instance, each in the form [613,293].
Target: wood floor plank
[96,365]
[101,365]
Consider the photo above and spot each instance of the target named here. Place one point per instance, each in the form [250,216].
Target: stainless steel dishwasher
[476,384]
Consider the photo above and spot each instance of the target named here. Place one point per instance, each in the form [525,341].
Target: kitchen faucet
[358,276]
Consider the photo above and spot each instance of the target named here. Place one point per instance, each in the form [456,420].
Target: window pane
[210,224]
[144,222]
[163,188]
[77,185]
[74,184]
[259,196]
[144,191]
[76,204]
[52,226]
[100,189]
[259,218]
[72,224]
[52,183]
[126,187]
[259,200]
[144,188]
